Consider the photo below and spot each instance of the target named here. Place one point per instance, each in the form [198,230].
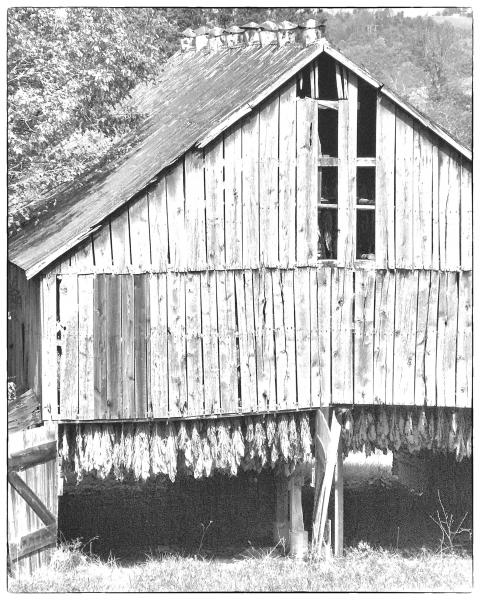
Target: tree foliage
[71,70]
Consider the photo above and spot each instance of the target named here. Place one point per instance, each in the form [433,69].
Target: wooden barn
[279,268]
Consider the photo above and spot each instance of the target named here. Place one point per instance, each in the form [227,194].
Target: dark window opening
[303,84]
[327,79]
[328,185]
[367,119]
[327,233]
[366,186]
[365,234]
[328,132]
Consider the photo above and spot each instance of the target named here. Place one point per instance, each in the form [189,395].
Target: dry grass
[362,569]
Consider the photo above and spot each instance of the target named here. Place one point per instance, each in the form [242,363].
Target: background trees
[70,72]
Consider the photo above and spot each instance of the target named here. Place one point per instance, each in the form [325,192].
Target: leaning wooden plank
[24,412]
[34,542]
[385,185]
[346,210]
[268,183]
[302,332]
[120,240]
[315,359]
[68,301]
[210,342]
[128,347]
[466,216]
[114,346]
[214,190]
[86,401]
[421,336]
[324,299]
[100,346]
[227,342]
[404,344]
[158,345]
[250,199]
[422,199]
[246,338]
[32,456]
[140,291]
[31,499]
[342,336]
[464,389]
[193,308]
[447,339]
[430,358]
[102,246]
[195,210]
[452,215]
[177,375]
[307,181]
[49,348]
[286,176]
[364,340]
[176,216]
[404,191]
[157,210]
[233,198]
[140,232]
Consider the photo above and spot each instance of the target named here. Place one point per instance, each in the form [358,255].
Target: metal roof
[197,97]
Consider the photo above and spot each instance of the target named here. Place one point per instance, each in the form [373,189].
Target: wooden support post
[339,504]
[298,535]
[281,524]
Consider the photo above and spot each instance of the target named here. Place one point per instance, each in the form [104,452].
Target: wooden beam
[31,499]
[33,542]
[328,104]
[32,456]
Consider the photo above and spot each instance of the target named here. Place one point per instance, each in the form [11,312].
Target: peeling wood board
[302,335]
[68,300]
[49,348]
[157,207]
[114,345]
[268,183]
[214,195]
[140,232]
[324,306]
[193,311]
[346,210]
[128,347]
[177,375]
[435,210]
[466,217]
[364,337]
[100,346]
[250,198]
[121,240]
[385,185]
[423,306]
[141,333]
[281,357]
[85,348]
[307,181]
[265,342]
[211,368]
[404,342]
[383,355]
[430,358]
[102,248]
[447,339]
[227,342]
[286,176]
[404,191]
[422,199]
[464,390]
[195,241]
[342,336]
[233,198]
[246,333]
[315,378]
[158,385]
[176,216]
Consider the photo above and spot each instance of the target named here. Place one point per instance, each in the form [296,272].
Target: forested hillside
[71,70]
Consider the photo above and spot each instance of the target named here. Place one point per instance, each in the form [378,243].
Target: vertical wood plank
[452,215]
[265,343]
[302,333]
[140,291]
[120,240]
[466,216]
[421,336]
[430,358]
[307,181]
[342,336]
[324,292]
[346,211]
[214,194]
[176,217]
[364,337]
[315,358]
[404,341]
[102,247]
[49,347]
[210,342]
[233,197]
[68,301]
[435,210]
[114,346]
[286,176]
[82,258]
[281,358]
[177,376]
[385,184]
[422,200]
[383,357]
[246,332]
[158,346]
[86,400]
[447,339]
[250,198]
[128,347]
[404,191]
[268,182]
[100,346]
[157,208]
[227,342]
[193,310]
[443,193]
[140,232]
[195,210]
[464,391]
